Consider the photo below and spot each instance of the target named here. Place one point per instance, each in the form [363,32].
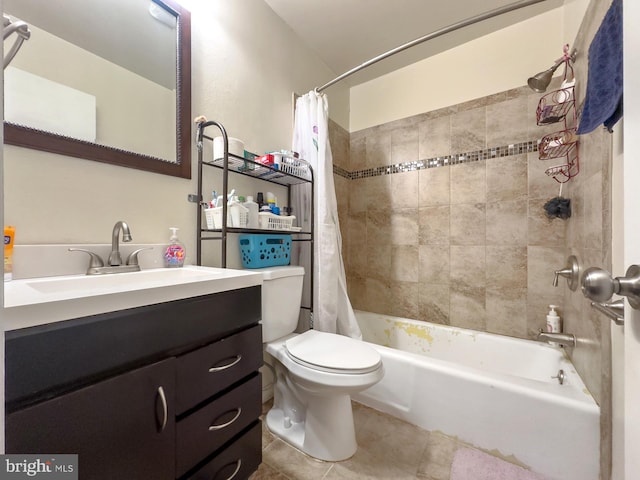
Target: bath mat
[469,464]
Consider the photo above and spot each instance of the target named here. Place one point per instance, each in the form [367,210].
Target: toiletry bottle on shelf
[238,215]
[272,201]
[9,238]
[271,198]
[174,253]
[553,320]
[253,208]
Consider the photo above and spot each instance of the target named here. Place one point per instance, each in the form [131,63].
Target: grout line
[328,470]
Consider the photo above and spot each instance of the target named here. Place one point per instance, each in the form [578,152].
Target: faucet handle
[565,272]
[95,260]
[132,259]
[613,310]
[571,272]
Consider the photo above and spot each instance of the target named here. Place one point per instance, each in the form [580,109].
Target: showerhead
[540,81]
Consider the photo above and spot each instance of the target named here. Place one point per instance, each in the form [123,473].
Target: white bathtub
[492,391]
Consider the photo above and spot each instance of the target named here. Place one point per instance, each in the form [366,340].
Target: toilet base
[327,432]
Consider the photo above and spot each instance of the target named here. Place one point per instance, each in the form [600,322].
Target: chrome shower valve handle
[571,272]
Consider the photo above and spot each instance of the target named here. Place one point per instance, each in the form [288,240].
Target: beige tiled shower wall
[465,245]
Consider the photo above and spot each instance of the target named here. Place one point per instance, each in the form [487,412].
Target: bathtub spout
[563,339]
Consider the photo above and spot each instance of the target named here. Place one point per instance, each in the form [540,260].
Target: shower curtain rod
[432,35]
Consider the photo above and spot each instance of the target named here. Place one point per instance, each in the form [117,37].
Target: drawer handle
[165,410]
[228,365]
[235,472]
[213,428]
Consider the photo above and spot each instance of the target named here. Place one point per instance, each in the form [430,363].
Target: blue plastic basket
[260,250]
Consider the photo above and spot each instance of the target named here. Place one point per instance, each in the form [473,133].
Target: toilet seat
[332,353]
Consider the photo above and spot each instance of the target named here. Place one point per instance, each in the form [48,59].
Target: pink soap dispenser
[174,253]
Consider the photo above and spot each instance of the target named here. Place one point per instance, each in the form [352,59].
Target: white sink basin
[36,301]
[132,280]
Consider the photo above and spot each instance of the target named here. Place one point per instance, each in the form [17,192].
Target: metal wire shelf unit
[230,163]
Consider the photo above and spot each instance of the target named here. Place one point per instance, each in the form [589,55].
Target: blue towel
[603,101]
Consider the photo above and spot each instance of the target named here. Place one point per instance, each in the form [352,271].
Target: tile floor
[388,448]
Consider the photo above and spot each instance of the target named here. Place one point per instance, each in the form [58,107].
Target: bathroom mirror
[103,80]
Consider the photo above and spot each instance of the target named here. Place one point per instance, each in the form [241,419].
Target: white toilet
[316,372]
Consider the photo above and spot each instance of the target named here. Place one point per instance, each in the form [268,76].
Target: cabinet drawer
[210,369]
[237,461]
[209,428]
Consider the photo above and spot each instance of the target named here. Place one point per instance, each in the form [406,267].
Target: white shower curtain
[332,308]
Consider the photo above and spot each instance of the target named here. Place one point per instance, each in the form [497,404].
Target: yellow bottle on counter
[9,237]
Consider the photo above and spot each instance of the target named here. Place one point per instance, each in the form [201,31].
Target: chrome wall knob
[629,286]
[597,284]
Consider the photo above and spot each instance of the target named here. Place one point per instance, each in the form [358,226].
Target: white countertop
[37,301]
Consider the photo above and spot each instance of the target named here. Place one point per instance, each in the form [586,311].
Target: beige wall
[573,14]
[617,331]
[493,63]
[245,65]
[496,62]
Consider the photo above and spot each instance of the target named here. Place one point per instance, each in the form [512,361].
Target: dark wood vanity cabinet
[119,425]
[190,412]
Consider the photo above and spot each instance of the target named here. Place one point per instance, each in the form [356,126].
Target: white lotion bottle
[553,320]
[252,221]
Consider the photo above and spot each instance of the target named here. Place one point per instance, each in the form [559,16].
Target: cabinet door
[123,427]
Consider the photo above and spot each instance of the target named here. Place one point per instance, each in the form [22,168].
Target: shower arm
[430,36]
[21,29]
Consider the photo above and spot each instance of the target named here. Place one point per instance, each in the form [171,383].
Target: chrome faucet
[563,339]
[114,257]
[115,265]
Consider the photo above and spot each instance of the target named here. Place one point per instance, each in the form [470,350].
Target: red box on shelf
[265,159]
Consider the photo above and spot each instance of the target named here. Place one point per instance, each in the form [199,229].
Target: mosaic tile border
[341,172]
[444,161]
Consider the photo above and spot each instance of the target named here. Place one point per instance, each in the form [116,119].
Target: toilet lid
[332,352]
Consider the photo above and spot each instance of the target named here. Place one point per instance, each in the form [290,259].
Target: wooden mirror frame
[27,137]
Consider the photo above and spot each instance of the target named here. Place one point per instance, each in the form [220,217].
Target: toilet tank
[281,297]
